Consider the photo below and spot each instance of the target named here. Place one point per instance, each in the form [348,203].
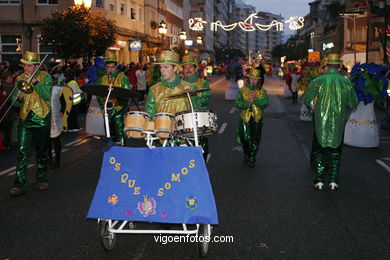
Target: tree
[226,54]
[77,32]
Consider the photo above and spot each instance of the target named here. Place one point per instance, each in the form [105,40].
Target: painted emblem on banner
[113,199]
[147,207]
[191,202]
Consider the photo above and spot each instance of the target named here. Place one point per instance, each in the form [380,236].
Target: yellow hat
[169,57]
[30,57]
[254,73]
[111,57]
[188,59]
[333,59]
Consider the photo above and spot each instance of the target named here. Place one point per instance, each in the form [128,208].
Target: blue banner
[167,185]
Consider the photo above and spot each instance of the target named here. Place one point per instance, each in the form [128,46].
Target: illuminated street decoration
[214,26]
[295,23]
[196,24]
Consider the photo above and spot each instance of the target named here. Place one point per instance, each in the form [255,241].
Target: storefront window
[11,47]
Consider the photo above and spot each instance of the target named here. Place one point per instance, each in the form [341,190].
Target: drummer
[201,99]
[158,100]
[117,79]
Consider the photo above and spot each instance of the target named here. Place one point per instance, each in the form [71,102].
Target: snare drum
[164,124]
[134,123]
[206,123]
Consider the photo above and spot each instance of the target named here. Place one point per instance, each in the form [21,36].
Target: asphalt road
[272,211]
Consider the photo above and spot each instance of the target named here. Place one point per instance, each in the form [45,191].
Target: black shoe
[55,165]
[42,186]
[251,164]
[16,191]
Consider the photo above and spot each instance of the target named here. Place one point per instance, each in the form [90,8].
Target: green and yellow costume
[329,96]
[34,124]
[117,79]
[159,102]
[200,100]
[250,124]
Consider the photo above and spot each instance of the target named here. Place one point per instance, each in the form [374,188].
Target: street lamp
[199,40]
[162,29]
[183,35]
[86,3]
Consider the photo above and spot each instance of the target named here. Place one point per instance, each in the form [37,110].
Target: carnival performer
[117,79]
[200,100]
[252,99]
[35,123]
[158,100]
[58,106]
[329,96]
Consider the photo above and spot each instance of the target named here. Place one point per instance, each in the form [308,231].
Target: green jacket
[329,96]
[35,108]
[201,99]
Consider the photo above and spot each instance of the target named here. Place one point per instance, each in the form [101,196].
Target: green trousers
[29,136]
[249,135]
[117,125]
[325,159]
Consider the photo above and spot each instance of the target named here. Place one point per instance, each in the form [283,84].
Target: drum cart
[108,229]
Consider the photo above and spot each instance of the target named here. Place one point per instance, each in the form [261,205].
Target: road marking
[215,82]
[28,166]
[8,170]
[381,163]
[222,128]
[232,110]
[75,141]
[208,157]
[81,142]
[384,137]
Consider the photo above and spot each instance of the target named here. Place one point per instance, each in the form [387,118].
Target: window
[132,13]
[112,7]
[9,2]
[44,49]
[11,47]
[140,11]
[122,9]
[47,2]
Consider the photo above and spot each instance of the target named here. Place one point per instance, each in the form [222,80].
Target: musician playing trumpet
[118,107]
[33,98]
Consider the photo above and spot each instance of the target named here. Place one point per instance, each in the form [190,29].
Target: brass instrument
[25,85]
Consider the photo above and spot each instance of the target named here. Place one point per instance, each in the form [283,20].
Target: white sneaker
[319,185]
[333,186]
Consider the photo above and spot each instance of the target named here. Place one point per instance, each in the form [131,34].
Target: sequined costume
[117,79]
[250,124]
[34,127]
[201,101]
[329,96]
[159,102]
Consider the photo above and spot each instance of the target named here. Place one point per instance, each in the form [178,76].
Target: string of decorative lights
[295,23]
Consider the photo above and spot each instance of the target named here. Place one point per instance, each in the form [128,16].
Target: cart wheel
[204,237]
[106,238]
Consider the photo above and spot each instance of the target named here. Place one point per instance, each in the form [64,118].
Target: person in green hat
[200,100]
[35,115]
[117,79]
[329,96]
[158,100]
[252,99]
